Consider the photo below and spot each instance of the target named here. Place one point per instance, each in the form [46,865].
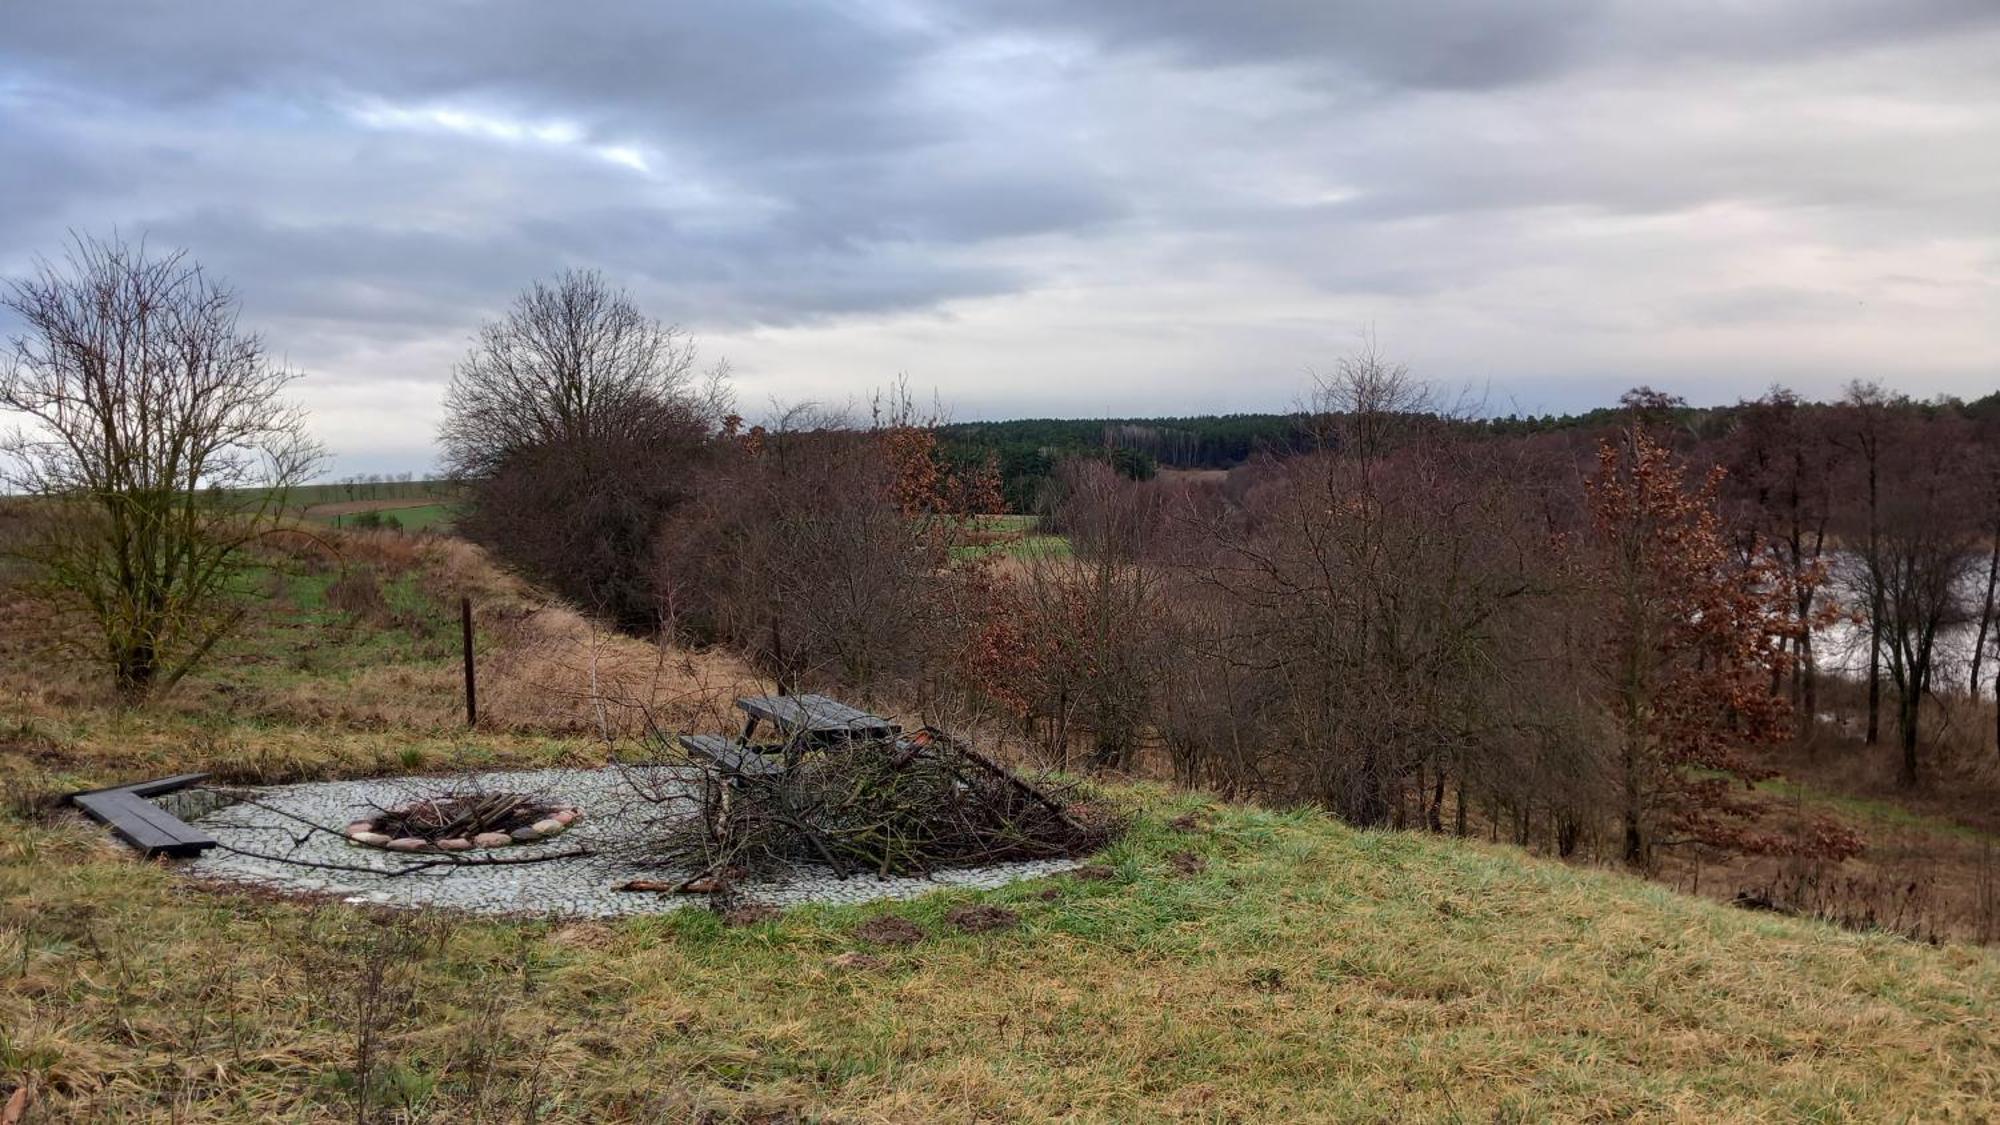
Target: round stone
[455,844]
[565,817]
[526,835]
[492,840]
[408,844]
[549,827]
[360,826]
[372,839]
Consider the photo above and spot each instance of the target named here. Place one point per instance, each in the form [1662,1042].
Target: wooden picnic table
[813,719]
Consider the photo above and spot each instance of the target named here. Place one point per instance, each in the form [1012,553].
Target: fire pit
[461,822]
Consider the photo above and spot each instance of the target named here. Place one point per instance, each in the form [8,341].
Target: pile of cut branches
[905,806]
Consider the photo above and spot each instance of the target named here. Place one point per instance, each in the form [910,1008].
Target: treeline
[1027,452]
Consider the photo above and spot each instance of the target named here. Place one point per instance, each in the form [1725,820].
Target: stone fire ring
[363,832]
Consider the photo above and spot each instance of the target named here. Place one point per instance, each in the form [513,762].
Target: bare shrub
[358,594]
[824,552]
[1072,643]
[1345,626]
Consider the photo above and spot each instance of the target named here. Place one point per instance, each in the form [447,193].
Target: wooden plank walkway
[139,822]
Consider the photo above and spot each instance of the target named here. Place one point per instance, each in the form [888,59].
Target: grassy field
[1011,536]
[410,516]
[1304,972]
[1231,963]
[306,496]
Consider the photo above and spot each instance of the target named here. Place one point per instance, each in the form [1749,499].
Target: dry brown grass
[1306,973]
[368,682]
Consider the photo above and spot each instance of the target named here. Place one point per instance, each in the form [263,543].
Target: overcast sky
[1050,207]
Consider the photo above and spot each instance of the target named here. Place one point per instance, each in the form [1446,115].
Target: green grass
[306,495]
[1310,972]
[1868,811]
[420,517]
[1022,539]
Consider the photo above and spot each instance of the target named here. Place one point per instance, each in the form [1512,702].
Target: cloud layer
[1043,206]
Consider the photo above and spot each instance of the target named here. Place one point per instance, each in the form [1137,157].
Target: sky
[1049,207]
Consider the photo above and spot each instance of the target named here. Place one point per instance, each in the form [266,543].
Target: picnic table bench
[139,822]
[735,760]
[814,720]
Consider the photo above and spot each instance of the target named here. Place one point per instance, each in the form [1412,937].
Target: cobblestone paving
[268,835]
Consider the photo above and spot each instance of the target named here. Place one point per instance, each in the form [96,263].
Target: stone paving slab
[620,807]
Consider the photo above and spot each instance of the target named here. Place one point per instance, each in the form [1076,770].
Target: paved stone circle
[269,832]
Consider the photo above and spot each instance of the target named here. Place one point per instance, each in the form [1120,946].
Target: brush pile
[904,806]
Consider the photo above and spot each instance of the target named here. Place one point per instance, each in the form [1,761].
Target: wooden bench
[813,719]
[139,822]
[734,760]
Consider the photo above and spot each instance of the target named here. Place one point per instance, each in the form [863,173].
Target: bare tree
[1781,478]
[1928,537]
[573,364]
[158,442]
[1360,591]
[824,550]
[575,420]
[1868,411]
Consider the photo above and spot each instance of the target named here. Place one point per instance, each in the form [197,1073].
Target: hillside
[1309,972]
[1231,963]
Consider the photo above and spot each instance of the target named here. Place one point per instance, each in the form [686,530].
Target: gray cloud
[1480,45]
[1119,205]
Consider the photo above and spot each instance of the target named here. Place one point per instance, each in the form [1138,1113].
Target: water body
[1843,647]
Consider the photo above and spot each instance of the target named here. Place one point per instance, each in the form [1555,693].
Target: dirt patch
[889,930]
[1187,822]
[855,962]
[1092,872]
[751,914]
[982,919]
[1187,863]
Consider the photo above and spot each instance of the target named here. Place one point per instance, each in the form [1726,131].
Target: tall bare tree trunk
[1985,610]
[1875,675]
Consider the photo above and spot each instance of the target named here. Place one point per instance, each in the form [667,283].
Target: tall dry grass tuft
[552,668]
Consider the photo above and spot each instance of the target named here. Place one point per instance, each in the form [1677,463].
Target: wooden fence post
[471,686]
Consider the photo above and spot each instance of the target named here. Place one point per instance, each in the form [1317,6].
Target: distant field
[1010,535]
[409,515]
[419,505]
[312,495]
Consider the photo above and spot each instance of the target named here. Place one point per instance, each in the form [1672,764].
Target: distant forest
[1027,451]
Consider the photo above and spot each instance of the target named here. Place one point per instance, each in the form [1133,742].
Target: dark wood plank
[734,760]
[816,715]
[133,811]
[142,824]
